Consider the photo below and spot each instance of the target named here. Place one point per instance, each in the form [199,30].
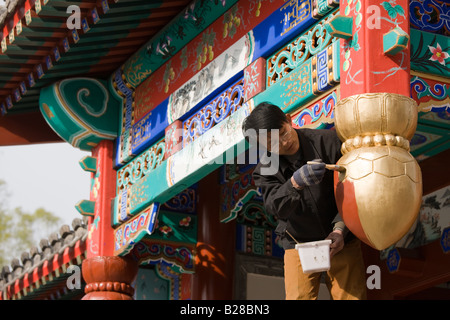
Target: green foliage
[20,230]
[393,10]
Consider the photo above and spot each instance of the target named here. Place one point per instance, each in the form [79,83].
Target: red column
[107,277]
[365,67]
[214,261]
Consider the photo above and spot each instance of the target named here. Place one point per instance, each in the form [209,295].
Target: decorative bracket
[86,207]
[394,41]
[340,27]
[88,164]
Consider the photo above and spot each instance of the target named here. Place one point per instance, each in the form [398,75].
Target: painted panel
[257,240]
[130,174]
[149,129]
[288,20]
[177,227]
[430,16]
[173,138]
[149,286]
[430,53]
[214,112]
[298,51]
[189,165]
[319,114]
[433,99]
[123,149]
[236,192]
[178,255]
[428,141]
[210,78]
[316,75]
[282,25]
[434,217]
[131,232]
[188,24]
[163,282]
[254,78]
[185,201]
[209,150]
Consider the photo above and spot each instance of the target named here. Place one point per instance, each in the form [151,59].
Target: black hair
[265,116]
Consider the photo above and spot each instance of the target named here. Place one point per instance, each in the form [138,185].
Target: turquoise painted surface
[430,53]
[81,111]
[297,87]
[150,286]
[177,227]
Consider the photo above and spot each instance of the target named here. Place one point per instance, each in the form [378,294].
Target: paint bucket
[314,256]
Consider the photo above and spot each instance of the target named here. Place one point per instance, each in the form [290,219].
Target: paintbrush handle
[333,167]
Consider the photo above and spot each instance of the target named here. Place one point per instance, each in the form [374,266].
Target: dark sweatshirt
[308,214]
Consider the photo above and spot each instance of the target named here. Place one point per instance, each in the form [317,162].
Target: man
[301,196]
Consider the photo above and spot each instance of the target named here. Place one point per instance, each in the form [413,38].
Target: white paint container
[314,256]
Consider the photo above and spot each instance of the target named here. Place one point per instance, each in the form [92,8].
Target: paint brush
[333,167]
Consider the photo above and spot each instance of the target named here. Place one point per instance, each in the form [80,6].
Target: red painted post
[365,68]
[107,277]
[214,261]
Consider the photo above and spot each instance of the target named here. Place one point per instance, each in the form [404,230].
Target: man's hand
[337,242]
[309,174]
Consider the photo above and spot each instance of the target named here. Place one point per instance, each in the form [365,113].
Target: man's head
[268,118]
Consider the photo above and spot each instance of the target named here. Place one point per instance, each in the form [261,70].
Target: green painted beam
[430,53]
[193,20]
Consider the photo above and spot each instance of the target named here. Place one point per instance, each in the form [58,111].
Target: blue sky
[45,175]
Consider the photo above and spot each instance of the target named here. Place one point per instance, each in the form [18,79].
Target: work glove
[310,173]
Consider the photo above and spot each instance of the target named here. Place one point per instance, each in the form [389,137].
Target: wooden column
[375,58]
[214,261]
[107,277]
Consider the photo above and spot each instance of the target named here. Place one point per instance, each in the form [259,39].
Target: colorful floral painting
[430,53]
[438,54]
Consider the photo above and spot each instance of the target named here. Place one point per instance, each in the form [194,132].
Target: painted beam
[430,53]
[433,99]
[430,16]
[131,232]
[318,114]
[168,41]
[315,76]
[285,22]
[203,50]
[182,169]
